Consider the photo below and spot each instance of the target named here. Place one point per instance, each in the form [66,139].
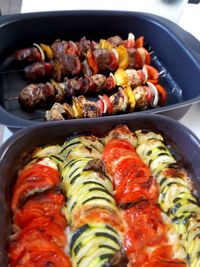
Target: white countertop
[186,15]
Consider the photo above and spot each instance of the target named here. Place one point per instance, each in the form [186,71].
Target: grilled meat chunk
[36,94]
[115,40]
[102,58]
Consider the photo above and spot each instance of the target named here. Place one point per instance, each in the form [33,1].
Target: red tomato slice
[139,60]
[29,188]
[139,42]
[118,143]
[162,94]
[153,74]
[48,205]
[71,49]
[48,68]
[47,228]
[93,214]
[40,253]
[100,105]
[91,61]
[149,93]
[162,257]
[110,83]
[39,229]
[37,169]
[113,62]
[109,104]
[147,57]
[145,227]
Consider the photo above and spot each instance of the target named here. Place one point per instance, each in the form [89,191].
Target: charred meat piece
[99,80]
[115,40]
[36,94]
[102,58]
[132,58]
[133,78]
[58,48]
[37,70]
[84,45]
[66,65]
[140,97]
[118,102]
[86,68]
[30,54]
[91,110]
[56,113]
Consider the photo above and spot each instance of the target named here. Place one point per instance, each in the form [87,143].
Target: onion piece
[144,69]
[113,78]
[116,54]
[155,95]
[131,37]
[142,54]
[125,99]
[130,42]
[40,50]
[105,107]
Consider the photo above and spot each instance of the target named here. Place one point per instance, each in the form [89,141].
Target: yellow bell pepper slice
[47,50]
[76,108]
[123,57]
[131,97]
[121,78]
[105,45]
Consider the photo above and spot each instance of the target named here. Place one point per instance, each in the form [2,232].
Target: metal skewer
[11,98]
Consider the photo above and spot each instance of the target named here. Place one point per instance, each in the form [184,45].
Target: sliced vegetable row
[91,211]
[146,240]
[39,237]
[176,196]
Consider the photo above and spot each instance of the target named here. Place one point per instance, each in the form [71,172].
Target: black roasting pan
[175,52]
[182,141]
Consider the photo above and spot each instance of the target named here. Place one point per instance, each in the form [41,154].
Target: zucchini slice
[88,232]
[144,136]
[83,146]
[176,196]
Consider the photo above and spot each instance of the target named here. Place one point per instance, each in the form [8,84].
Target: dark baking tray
[182,141]
[176,53]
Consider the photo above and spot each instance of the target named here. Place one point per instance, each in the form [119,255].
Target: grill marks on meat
[58,48]
[36,94]
[132,58]
[102,58]
[117,101]
[66,65]
[27,53]
[115,40]
[35,71]
[91,110]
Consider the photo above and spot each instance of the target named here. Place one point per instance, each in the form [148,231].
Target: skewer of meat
[42,52]
[35,95]
[96,61]
[140,98]
[92,58]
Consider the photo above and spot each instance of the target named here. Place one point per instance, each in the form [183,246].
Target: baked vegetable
[176,196]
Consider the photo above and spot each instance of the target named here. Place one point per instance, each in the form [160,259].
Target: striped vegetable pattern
[90,208]
[176,196]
